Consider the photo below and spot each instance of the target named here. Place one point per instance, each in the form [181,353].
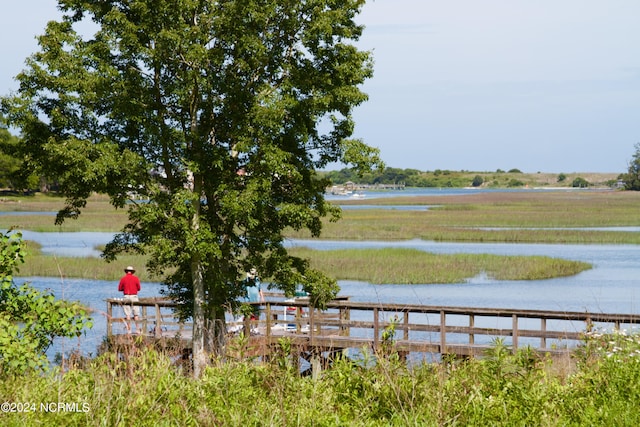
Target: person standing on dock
[130,286]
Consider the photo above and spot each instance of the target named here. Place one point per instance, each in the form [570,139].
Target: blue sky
[538,85]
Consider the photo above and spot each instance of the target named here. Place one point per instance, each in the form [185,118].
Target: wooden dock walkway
[409,329]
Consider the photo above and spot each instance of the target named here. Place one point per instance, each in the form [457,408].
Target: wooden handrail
[346,323]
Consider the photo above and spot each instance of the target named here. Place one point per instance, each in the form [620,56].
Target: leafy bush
[580,183]
[30,319]
[477,181]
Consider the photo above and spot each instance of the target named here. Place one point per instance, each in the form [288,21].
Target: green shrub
[30,319]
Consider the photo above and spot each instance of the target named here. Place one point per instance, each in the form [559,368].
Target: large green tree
[218,113]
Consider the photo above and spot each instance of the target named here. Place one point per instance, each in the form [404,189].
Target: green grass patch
[412,266]
[98,215]
[95,268]
[378,266]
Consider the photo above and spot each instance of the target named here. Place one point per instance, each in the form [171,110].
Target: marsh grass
[378,266]
[98,215]
[38,264]
[412,266]
[521,217]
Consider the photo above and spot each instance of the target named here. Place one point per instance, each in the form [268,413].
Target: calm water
[610,286]
[415,191]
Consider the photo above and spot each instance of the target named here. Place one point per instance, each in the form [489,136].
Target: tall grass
[42,265]
[380,266]
[410,266]
[98,215]
[502,389]
[457,226]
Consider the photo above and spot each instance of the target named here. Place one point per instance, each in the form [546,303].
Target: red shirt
[129,284]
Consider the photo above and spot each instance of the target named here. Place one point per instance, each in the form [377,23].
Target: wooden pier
[426,332]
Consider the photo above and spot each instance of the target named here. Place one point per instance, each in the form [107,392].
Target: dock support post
[109,317]
[316,366]
[144,319]
[158,329]
[269,320]
[376,328]
[443,333]
[405,334]
[514,341]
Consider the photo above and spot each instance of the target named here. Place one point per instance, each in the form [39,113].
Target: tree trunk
[216,331]
[199,341]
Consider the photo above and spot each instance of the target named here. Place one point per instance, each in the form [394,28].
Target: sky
[478,85]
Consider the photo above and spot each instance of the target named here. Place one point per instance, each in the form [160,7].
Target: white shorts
[127,306]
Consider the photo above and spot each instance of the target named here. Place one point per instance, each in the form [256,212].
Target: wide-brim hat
[131,269]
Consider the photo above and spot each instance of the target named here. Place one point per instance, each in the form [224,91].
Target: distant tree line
[512,178]
[415,178]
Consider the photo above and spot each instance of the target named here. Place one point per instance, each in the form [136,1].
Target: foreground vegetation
[596,387]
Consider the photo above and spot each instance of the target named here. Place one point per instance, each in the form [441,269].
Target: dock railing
[157,318]
[466,331]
